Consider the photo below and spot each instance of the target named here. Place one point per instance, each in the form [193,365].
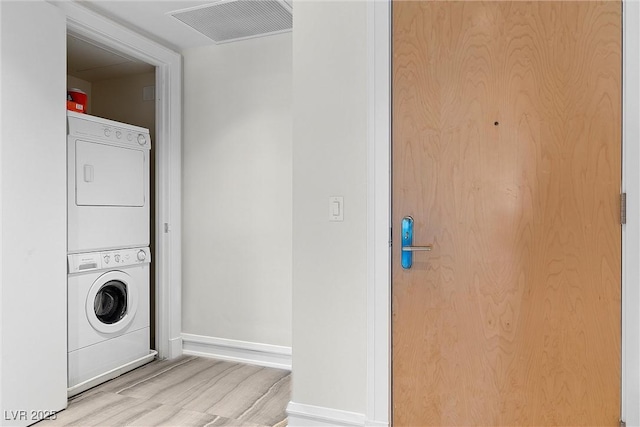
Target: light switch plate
[336,208]
[148,93]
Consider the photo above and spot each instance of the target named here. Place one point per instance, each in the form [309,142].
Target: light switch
[336,208]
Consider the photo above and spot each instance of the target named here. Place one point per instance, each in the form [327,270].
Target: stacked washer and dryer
[108,249]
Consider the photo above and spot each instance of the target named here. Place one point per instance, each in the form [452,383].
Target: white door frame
[378,403]
[631,231]
[379,215]
[168,143]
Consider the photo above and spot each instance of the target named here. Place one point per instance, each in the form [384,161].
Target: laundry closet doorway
[154,83]
[119,88]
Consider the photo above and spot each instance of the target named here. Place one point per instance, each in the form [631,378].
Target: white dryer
[108,184]
[108,315]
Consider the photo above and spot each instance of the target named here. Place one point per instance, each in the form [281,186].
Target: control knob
[118,134]
[106,259]
[141,139]
[142,255]
[107,132]
[117,257]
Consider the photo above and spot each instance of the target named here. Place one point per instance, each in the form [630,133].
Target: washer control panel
[79,263]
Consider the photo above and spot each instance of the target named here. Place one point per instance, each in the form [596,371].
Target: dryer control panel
[103,130]
[91,261]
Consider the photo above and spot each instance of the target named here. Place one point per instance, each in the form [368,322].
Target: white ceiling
[92,62]
[151,18]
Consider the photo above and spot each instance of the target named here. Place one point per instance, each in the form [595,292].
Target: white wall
[237,191]
[329,158]
[33,328]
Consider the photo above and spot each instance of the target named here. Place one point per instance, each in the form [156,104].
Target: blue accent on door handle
[407,240]
[408,249]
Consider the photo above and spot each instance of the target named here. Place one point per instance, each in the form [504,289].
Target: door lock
[407,249]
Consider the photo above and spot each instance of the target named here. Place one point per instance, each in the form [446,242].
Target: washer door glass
[110,303]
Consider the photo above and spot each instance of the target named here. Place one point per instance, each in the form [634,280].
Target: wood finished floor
[189,391]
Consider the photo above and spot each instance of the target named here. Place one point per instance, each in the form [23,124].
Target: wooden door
[507,153]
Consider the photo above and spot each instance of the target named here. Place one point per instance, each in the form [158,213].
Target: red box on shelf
[78,98]
[74,106]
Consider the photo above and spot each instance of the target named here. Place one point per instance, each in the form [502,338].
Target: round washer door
[112,302]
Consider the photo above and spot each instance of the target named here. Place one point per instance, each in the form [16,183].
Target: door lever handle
[408,249]
[417,248]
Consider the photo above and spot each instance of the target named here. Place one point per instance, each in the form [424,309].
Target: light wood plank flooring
[189,391]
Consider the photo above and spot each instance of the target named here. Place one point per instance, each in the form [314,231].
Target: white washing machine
[108,315]
[108,184]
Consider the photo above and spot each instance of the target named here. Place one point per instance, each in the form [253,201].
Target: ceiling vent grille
[232,20]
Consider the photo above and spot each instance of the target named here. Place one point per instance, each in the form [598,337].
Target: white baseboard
[175,348]
[272,356]
[301,415]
